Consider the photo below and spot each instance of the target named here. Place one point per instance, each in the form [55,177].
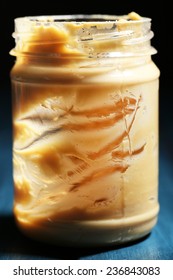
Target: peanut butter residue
[22,192]
[85,126]
[134,16]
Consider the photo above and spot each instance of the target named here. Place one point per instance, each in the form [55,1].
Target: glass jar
[85,128]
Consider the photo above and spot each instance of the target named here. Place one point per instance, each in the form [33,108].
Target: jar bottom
[92,233]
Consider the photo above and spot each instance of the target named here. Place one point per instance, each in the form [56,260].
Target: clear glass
[85,126]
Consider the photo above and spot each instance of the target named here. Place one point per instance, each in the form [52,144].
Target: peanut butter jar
[85,128]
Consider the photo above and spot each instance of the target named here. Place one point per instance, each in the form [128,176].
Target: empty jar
[85,128]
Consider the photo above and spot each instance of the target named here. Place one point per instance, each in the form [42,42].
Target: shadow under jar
[85,128]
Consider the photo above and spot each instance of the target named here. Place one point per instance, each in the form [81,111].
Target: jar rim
[81,18]
[83,35]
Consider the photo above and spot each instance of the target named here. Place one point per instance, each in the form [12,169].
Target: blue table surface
[158,245]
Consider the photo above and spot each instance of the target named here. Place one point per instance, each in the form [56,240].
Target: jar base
[92,233]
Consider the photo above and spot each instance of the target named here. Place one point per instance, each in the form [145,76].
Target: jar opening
[81,18]
[83,36]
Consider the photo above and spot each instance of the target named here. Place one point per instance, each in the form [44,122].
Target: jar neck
[82,37]
[120,63]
